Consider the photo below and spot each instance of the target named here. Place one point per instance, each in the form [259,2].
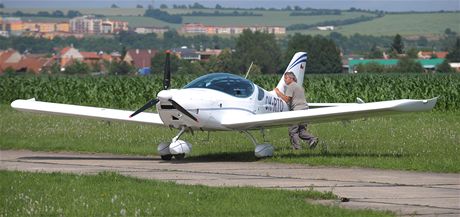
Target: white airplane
[227,102]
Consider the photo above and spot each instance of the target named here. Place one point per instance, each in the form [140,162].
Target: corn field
[132,92]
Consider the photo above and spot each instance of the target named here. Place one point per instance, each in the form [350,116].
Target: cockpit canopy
[224,82]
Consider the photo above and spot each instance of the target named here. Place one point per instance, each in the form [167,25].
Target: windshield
[224,82]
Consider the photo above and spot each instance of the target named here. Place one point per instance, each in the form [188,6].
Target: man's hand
[282,96]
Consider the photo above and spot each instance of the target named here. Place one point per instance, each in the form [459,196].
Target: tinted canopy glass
[224,82]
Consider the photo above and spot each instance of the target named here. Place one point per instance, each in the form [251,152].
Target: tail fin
[297,66]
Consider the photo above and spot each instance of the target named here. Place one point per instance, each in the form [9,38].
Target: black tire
[179,156]
[166,157]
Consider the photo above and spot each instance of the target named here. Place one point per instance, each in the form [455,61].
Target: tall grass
[132,92]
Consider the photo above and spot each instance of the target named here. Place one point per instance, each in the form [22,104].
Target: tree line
[302,26]
[221,14]
[55,14]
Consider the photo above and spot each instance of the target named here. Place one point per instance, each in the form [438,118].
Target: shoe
[313,142]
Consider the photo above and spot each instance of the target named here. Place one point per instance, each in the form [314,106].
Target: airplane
[227,102]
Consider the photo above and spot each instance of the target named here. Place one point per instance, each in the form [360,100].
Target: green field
[109,194]
[427,24]
[421,141]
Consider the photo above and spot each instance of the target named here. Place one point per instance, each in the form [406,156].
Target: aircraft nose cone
[165,95]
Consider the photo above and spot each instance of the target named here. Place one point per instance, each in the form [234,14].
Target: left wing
[328,114]
[85,111]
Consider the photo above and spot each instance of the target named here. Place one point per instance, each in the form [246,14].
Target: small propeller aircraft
[227,102]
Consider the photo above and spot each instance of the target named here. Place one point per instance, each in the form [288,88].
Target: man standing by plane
[294,96]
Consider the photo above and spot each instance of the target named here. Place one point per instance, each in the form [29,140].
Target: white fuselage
[212,107]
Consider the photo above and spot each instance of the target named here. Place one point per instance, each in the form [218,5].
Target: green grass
[416,141]
[109,194]
[428,24]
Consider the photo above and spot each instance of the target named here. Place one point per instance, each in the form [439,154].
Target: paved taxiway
[406,193]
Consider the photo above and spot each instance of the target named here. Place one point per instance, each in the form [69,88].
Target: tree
[323,54]
[454,54]
[77,68]
[371,67]
[222,63]
[444,67]
[406,64]
[120,68]
[158,63]
[375,53]
[43,14]
[72,13]
[139,6]
[114,6]
[218,6]
[58,13]
[398,45]
[412,53]
[260,48]
[163,6]
[197,5]
[1,5]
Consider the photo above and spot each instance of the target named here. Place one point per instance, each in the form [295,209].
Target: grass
[109,194]
[414,141]
[427,24]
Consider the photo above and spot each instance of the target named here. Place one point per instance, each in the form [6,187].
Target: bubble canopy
[224,82]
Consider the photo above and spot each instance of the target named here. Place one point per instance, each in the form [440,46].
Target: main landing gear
[262,150]
[177,148]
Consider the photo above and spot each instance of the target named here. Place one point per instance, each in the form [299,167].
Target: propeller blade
[149,104]
[182,110]
[167,71]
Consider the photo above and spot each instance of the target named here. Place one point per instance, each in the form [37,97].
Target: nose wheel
[177,148]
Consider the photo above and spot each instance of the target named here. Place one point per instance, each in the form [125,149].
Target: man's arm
[282,96]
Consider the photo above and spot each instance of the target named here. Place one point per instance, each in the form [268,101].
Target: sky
[386,5]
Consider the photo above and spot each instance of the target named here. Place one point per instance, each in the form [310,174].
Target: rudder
[297,66]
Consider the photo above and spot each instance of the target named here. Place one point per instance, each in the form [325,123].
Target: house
[68,55]
[147,30]
[230,29]
[428,64]
[140,58]
[11,59]
[431,54]
[206,54]
[325,28]
[186,53]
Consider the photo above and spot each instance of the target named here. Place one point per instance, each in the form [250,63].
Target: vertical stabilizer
[297,66]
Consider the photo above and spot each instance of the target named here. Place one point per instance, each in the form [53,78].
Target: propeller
[182,110]
[166,84]
[167,71]
[148,105]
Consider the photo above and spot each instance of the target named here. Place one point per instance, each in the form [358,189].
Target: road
[405,193]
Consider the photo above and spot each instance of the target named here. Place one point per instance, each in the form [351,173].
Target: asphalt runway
[405,193]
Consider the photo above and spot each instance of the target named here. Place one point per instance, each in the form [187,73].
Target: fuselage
[213,98]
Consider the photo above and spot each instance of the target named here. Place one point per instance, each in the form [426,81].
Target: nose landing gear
[177,148]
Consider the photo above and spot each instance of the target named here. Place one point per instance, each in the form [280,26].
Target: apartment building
[199,28]
[93,25]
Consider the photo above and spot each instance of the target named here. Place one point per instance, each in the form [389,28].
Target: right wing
[328,113]
[85,111]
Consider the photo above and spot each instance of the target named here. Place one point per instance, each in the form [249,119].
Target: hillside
[407,24]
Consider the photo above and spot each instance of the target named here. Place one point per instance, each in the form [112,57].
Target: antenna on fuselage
[247,73]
